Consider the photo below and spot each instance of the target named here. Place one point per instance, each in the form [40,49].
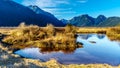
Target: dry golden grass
[92,30]
[113,33]
[49,36]
[27,36]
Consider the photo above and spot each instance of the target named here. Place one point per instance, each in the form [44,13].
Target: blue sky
[69,8]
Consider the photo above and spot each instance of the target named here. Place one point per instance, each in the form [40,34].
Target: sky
[67,9]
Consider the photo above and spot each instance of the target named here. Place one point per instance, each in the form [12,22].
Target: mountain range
[88,21]
[12,14]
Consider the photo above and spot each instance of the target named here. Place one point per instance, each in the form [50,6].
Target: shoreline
[8,59]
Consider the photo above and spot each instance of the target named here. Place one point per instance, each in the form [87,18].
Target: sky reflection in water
[102,51]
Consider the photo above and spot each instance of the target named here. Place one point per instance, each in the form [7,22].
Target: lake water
[97,48]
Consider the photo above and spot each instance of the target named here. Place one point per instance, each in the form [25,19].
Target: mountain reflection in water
[102,51]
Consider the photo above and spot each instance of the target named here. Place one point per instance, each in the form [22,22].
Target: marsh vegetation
[58,38]
[50,38]
[35,36]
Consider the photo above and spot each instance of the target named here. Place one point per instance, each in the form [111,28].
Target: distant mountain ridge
[83,20]
[100,19]
[12,14]
[111,21]
[64,21]
[88,21]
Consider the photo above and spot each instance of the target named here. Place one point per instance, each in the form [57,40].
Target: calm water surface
[101,51]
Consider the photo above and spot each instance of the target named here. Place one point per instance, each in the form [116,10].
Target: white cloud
[66,12]
[62,2]
[46,3]
[51,10]
[52,6]
[83,1]
[58,9]
[40,3]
